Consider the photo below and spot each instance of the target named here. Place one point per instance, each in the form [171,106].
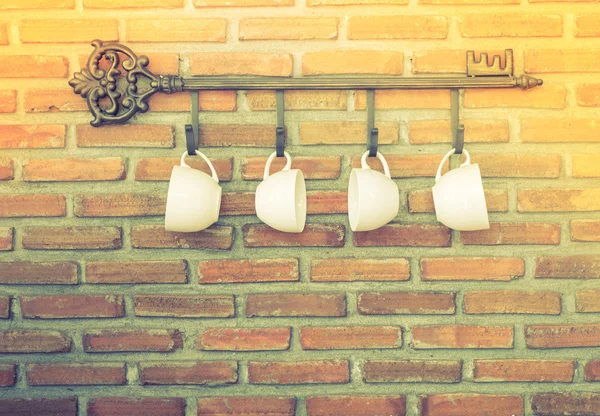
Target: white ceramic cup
[459,198]
[373,198]
[281,198]
[194,198]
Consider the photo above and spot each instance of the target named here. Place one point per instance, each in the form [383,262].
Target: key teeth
[482,68]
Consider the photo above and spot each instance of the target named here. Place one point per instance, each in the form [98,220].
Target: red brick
[488,25]
[42,273]
[246,405]
[74,170]
[244,135]
[79,374]
[585,230]
[288,28]
[397,27]
[241,63]
[550,404]
[37,4]
[128,135]
[189,372]
[72,306]
[32,205]
[400,99]
[562,336]
[132,340]
[561,60]
[72,238]
[472,268]
[248,271]
[403,235]
[401,303]
[298,100]
[313,167]
[586,300]
[405,166]
[350,337]
[412,371]
[512,301]
[67,30]
[4,307]
[237,203]
[586,25]
[244,339]
[8,375]
[421,200]
[62,406]
[136,406]
[476,131]
[542,97]
[514,233]
[217,237]
[116,4]
[292,304]
[176,30]
[356,270]
[568,267]
[378,62]
[524,370]
[33,136]
[159,169]
[33,341]
[33,66]
[136,272]
[6,239]
[462,404]
[299,372]
[120,205]
[314,235]
[565,130]
[588,95]
[7,169]
[8,100]
[185,306]
[592,370]
[559,200]
[356,405]
[327,202]
[462,336]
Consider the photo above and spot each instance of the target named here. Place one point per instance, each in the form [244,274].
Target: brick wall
[102,312]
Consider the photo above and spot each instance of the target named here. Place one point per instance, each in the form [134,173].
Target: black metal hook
[280,130]
[372,132]
[458,130]
[192,130]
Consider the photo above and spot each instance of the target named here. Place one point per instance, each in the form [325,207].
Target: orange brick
[313,167]
[518,165]
[159,63]
[288,28]
[299,372]
[312,3]
[592,370]
[247,135]
[327,202]
[39,273]
[37,4]
[211,373]
[524,370]
[248,271]
[586,25]
[421,201]
[34,341]
[586,166]
[345,132]
[393,99]
[34,136]
[32,205]
[160,168]
[247,405]
[514,233]
[67,31]
[353,62]
[356,270]
[136,272]
[547,96]
[243,3]
[359,405]
[567,130]
[4,34]
[568,267]
[241,63]
[562,336]
[350,337]
[244,339]
[404,166]
[559,200]
[563,60]
[510,25]
[587,300]
[117,4]
[130,135]
[566,403]
[471,404]
[512,301]
[6,240]
[176,30]
[462,336]
[72,238]
[72,306]
[406,303]
[79,374]
[185,306]
[397,27]
[119,205]
[450,62]
[33,66]
[412,371]
[217,237]
[42,101]
[8,101]
[132,340]
[295,305]
[588,95]
[68,170]
[298,100]
[7,169]
[237,203]
[471,268]
[585,230]
[314,235]
[476,131]
[136,406]
[405,235]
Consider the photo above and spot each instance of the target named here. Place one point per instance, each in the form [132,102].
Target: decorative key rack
[113,99]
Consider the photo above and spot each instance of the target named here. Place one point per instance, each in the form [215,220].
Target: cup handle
[287,166]
[438,175]
[386,168]
[212,169]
